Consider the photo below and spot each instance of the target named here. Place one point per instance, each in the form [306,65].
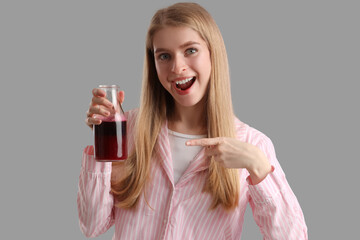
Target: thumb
[121,96]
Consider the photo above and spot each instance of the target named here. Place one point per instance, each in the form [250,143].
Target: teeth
[184,81]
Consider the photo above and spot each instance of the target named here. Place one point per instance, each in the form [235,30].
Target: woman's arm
[275,207]
[95,202]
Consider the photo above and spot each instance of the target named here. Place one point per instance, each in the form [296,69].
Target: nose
[179,65]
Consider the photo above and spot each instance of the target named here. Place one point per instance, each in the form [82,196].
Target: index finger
[97,92]
[203,142]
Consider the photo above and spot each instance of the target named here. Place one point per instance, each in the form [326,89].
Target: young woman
[193,165]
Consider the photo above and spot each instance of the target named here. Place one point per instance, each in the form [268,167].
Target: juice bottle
[110,136]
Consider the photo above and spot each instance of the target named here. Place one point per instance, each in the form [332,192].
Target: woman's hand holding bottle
[99,105]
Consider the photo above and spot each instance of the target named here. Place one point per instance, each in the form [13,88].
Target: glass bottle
[110,136]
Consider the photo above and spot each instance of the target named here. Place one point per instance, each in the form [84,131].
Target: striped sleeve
[94,200]
[275,207]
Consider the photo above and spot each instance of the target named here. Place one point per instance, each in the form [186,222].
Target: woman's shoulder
[131,114]
[249,134]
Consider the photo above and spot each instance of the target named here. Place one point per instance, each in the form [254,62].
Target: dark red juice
[110,141]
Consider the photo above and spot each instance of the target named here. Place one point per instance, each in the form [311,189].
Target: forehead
[172,37]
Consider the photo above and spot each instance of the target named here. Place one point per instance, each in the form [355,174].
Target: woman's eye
[164,56]
[191,51]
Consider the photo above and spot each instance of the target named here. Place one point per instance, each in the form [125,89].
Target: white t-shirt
[182,155]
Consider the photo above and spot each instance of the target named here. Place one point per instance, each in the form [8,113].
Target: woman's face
[183,65]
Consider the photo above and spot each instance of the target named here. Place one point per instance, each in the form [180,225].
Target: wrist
[259,168]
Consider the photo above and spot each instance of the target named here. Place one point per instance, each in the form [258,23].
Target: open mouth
[185,84]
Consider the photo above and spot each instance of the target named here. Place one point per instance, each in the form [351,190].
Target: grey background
[295,73]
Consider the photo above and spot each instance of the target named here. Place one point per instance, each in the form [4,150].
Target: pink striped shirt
[181,211]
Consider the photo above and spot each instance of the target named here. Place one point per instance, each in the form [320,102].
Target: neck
[188,120]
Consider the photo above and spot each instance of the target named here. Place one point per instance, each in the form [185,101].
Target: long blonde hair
[157,104]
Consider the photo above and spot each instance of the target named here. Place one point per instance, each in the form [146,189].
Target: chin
[188,102]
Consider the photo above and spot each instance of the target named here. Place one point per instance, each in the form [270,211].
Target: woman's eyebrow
[188,44]
[157,50]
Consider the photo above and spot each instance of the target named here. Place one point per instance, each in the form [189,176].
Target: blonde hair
[157,104]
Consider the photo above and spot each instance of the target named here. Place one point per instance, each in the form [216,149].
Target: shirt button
[165,221]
